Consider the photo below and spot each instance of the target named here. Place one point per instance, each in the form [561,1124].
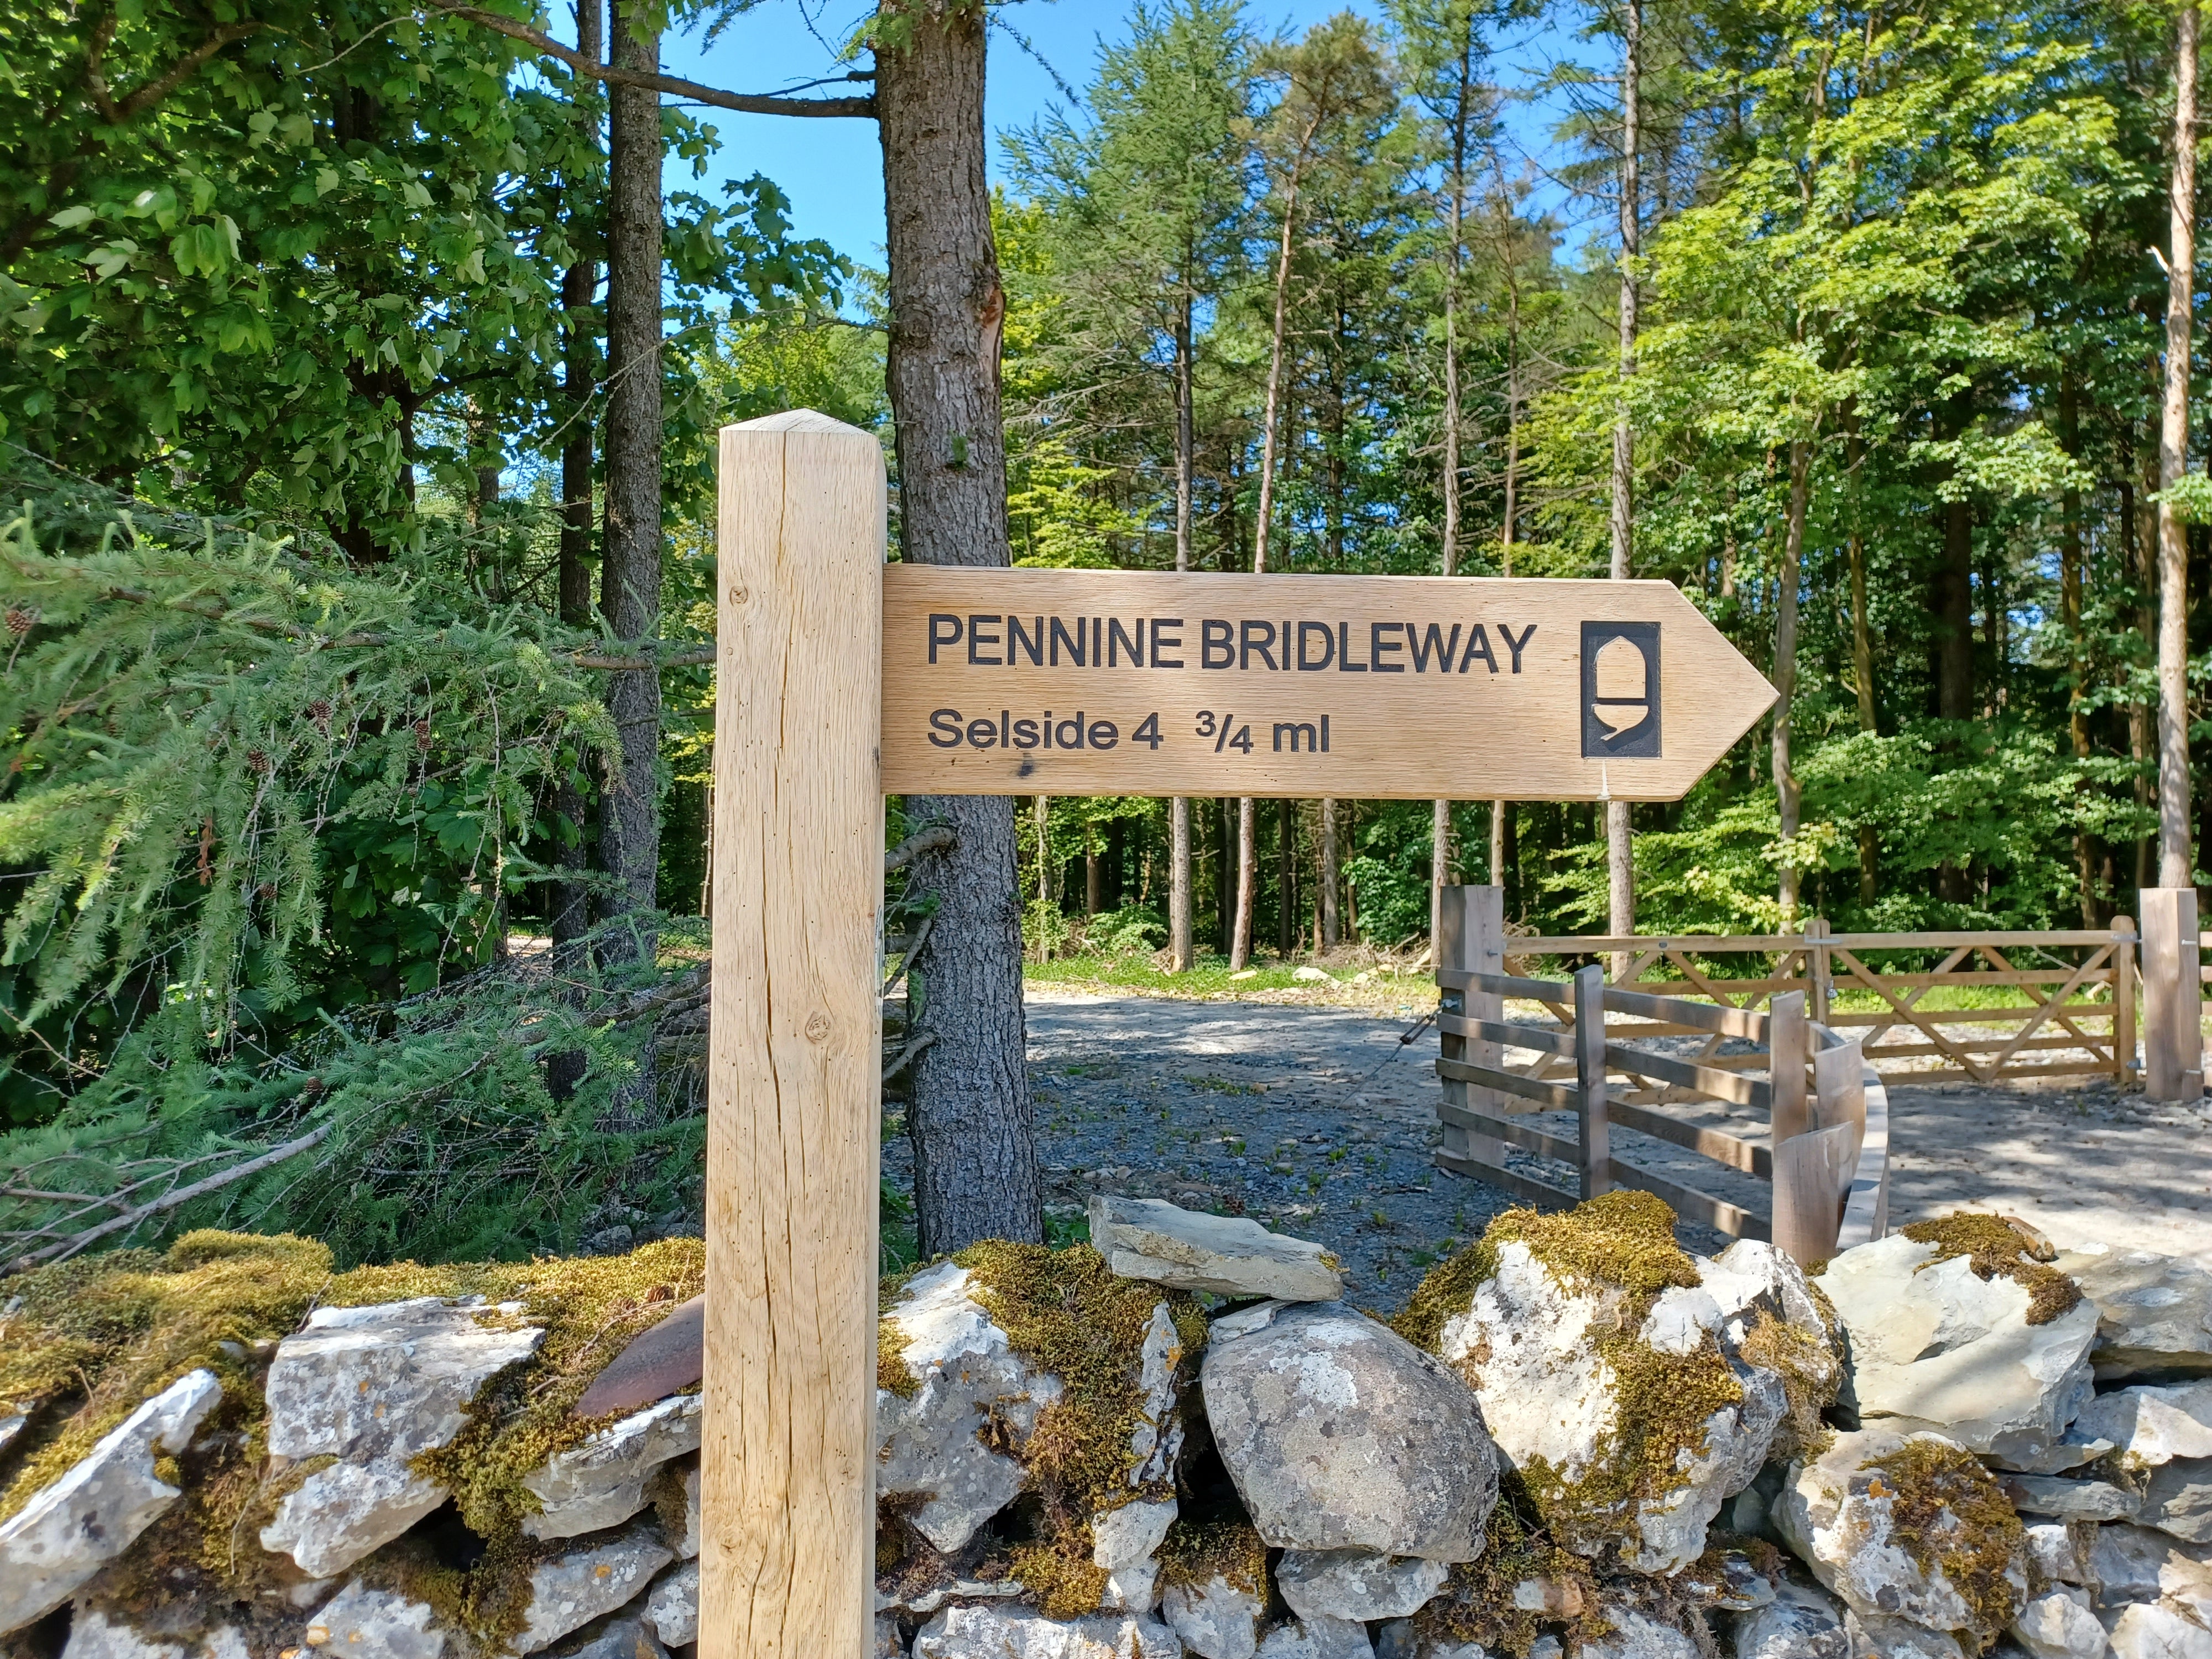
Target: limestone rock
[1125,1541]
[927,1444]
[1317,1637]
[2154,1312]
[672,1608]
[1798,1623]
[75,1527]
[1635,1636]
[687,1546]
[1150,1239]
[1340,1434]
[1845,1514]
[1356,1584]
[601,1483]
[1216,1620]
[890,1643]
[2139,1563]
[374,1623]
[568,1592]
[1898,1638]
[1934,1348]
[2180,1500]
[2152,1425]
[2069,1500]
[10,1426]
[1157,1440]
[2054,1556]
[374,1387]
[95,1635]
[990,1633]
[2059,1624]
[1532,1346]
[2150,1630]
[623,1636]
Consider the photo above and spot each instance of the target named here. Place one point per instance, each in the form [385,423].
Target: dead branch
[935,839]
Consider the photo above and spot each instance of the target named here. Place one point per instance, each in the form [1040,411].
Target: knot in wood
[817,1027]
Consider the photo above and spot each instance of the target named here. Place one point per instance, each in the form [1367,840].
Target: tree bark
[580,286]
[630,589]
[2175,866]
[1454,210]
[1619,843]
[1179,941]
[975,1168]
[2069,617]
[1862,672]
[1785,661]
[1286,847]
[1332,927]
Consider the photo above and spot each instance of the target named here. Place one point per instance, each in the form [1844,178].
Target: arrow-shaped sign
[1119,683]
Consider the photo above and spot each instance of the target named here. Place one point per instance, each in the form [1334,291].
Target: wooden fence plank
[1505,1032]
[1688,1202]
[1553,1096]
[1725,1020]
[1722,1148]
[1811,1175]
[1590,1077]
[1526,1137]
[1706,1079]
[1538,1193]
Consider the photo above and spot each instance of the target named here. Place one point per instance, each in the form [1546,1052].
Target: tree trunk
[1179,945]
[1619,845]
[629,587]
[1862,672]
[1286,847]
[2142,529]
[1240,937]
[1094,873]
[1455,208]
[975,1168]
[2077,666]
[1332,928]
[1954,615]
[580,285]
[2175,866]
[1785,662]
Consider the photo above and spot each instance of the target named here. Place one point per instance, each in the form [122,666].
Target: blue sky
[832,170]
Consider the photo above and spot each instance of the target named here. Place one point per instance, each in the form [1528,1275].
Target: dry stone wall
[1576,1439]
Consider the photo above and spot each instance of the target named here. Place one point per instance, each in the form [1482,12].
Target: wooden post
[1471,936]
[794,1071]
[2125,1069]
[1786,1046]
[1589,1079]
[1812,1177]
[2173,996]
[1820,969]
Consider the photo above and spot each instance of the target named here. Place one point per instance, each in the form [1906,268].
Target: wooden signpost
[841,679]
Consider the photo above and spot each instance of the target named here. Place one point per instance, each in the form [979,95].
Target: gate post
[795,1060]
[2124,937]
[2173,1013]
[1471,936]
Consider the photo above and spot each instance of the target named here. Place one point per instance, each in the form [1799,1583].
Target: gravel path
[1318,1121]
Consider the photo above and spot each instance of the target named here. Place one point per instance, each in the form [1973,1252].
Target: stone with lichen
[1599,1360]
[1150,1239]
[1955,1327]
[1009,1632]
[1338,1434]
[1908,1529]
[2154,1312]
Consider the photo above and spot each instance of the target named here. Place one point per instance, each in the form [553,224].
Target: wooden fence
[1824,1154]
[2071,994]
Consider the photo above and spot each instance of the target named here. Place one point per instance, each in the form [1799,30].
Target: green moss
[1199,1552]
[1065,1311]
[1949,1515]
[95,1338]
[1446,1291]
[1476,1604]
[892,1372]
[1993,1247]
[590,1309]
[1811,1380]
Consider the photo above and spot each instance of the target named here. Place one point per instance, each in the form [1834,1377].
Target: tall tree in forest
[1146,204]
[1445,47]
[1334,88]
[975,1165]
[1619,843]
[2174,864]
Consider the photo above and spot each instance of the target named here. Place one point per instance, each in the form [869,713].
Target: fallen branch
[907,956]
[167,1201]
[935,839]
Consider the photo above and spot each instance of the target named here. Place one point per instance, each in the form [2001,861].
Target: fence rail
[2069,1009]
[1825,1157]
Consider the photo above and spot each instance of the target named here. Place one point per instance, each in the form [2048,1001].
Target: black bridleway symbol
[1620,690]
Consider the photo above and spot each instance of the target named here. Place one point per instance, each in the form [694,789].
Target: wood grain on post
[1589,1077]
[1470,934]
[2173,996]
[786,1467]
[1786,1046]
[1812,1177]
[2123,999]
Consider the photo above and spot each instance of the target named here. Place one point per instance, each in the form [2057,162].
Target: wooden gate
[1825,1157]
